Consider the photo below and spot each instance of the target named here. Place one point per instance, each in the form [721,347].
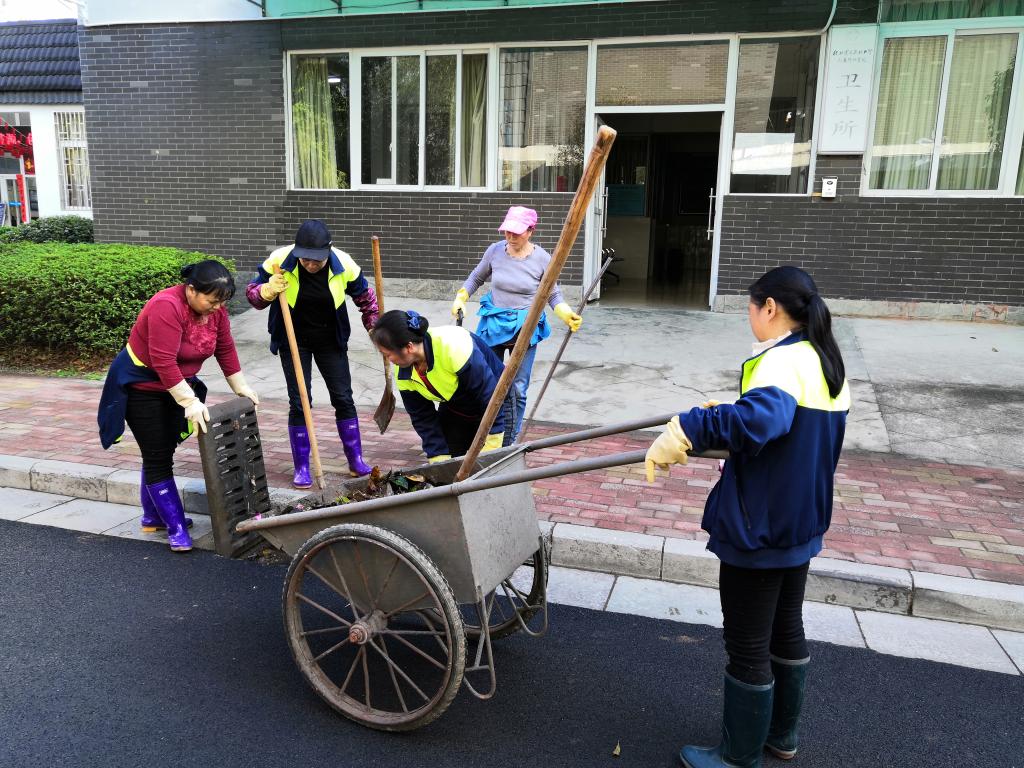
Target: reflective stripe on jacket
[345,279]
[464,372]
[773,503]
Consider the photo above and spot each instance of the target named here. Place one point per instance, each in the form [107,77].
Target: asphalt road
[119,653]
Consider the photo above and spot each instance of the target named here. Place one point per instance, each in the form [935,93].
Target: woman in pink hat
[515,267]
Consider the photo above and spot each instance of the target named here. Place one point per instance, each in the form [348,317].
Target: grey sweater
[514,282]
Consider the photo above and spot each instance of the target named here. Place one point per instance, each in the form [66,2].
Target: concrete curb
[684,561]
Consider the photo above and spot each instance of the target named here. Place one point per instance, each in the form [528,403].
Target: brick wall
[878,248]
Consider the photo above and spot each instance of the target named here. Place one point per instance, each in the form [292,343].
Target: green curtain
[474,120]
[908,103]
[316,165]
[933,10]
[977,105]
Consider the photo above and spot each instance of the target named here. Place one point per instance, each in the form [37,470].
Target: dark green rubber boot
[790,684]
[746,715]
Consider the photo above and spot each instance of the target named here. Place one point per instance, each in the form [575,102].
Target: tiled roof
[39,63]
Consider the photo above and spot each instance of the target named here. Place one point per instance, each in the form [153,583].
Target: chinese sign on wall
[849,68]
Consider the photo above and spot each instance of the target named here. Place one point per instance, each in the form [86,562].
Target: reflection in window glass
[474,120]
[933,10]
[407,119]
[391,119]
[977,105]
[320,115]
[775,93]
[440,142]
[376,122]
[908,103]
[542,113]
[692,73]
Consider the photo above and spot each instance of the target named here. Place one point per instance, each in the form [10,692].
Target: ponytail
[795,291]
[397,328]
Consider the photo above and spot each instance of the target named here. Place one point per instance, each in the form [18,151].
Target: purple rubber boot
[300,457]
[168,506]
[151,520]
[348,431]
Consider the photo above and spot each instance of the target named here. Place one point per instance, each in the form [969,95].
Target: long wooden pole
[571,227]
[558,356]
[300,380]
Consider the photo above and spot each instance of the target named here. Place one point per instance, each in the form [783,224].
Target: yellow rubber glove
[710,403]
[670,448]
[436,459]
[460,302]
[567,316]
[241,387]
[195,411]
[493,442]
[277,284]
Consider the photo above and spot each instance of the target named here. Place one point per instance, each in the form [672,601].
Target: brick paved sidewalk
[926,516]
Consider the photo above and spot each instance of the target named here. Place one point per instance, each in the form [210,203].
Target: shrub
[58,229]
[81,296]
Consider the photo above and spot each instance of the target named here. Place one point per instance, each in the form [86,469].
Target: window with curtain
[775,92]
[978,85]
[543,104]
[440,143]
[474,120]
[935,10]
[390,119]
[320,121]
[908,105]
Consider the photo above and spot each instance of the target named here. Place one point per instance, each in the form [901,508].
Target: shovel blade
[386,409]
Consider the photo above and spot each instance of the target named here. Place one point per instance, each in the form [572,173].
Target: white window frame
[1014,135]
[62,144]
[355,57]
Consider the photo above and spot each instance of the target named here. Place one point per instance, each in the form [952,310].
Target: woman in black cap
[316,278]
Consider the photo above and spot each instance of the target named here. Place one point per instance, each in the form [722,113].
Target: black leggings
[459,429]
[155,421]
[762,610]
[333,365]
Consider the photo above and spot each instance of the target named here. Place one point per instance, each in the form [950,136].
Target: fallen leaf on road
[617,751]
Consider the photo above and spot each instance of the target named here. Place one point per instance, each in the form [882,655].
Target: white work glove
[241,387]
[195,411]
[670,448]
[277,284]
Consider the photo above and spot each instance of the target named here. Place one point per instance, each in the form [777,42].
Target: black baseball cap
[312,241]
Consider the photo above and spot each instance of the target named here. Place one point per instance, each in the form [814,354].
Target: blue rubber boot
[151,520]
[790,684]
[746,714]
[351,441]
[168,506]
[299,438]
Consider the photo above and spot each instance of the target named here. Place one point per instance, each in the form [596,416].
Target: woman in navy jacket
[769,511]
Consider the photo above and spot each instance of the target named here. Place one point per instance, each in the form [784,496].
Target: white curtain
[977,105]
[474,120]
[908,103]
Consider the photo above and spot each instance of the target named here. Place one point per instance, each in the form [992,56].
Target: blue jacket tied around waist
[773,503]
[497,325]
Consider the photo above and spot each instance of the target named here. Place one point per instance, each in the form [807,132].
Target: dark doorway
[660,176]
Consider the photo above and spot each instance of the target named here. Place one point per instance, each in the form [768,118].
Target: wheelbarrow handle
[588,464]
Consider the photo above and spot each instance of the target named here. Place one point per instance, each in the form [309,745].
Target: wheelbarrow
[391,604]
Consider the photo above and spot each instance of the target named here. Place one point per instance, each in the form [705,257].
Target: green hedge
[60,229]
[81,296]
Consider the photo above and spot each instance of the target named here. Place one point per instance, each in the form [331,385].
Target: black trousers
[459,429]
[762,610]
[155,421]
[332,363]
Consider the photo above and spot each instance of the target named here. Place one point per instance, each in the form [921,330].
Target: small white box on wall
[828,186]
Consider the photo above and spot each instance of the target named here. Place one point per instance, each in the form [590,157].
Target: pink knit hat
[518,220]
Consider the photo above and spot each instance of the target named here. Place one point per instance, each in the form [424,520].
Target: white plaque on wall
[849,70]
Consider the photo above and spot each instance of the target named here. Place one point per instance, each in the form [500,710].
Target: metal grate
[236,481]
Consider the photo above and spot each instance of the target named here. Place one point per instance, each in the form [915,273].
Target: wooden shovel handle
[300,380]
[573,220]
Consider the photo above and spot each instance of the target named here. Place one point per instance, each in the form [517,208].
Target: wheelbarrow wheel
[374,627]
[519,597]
